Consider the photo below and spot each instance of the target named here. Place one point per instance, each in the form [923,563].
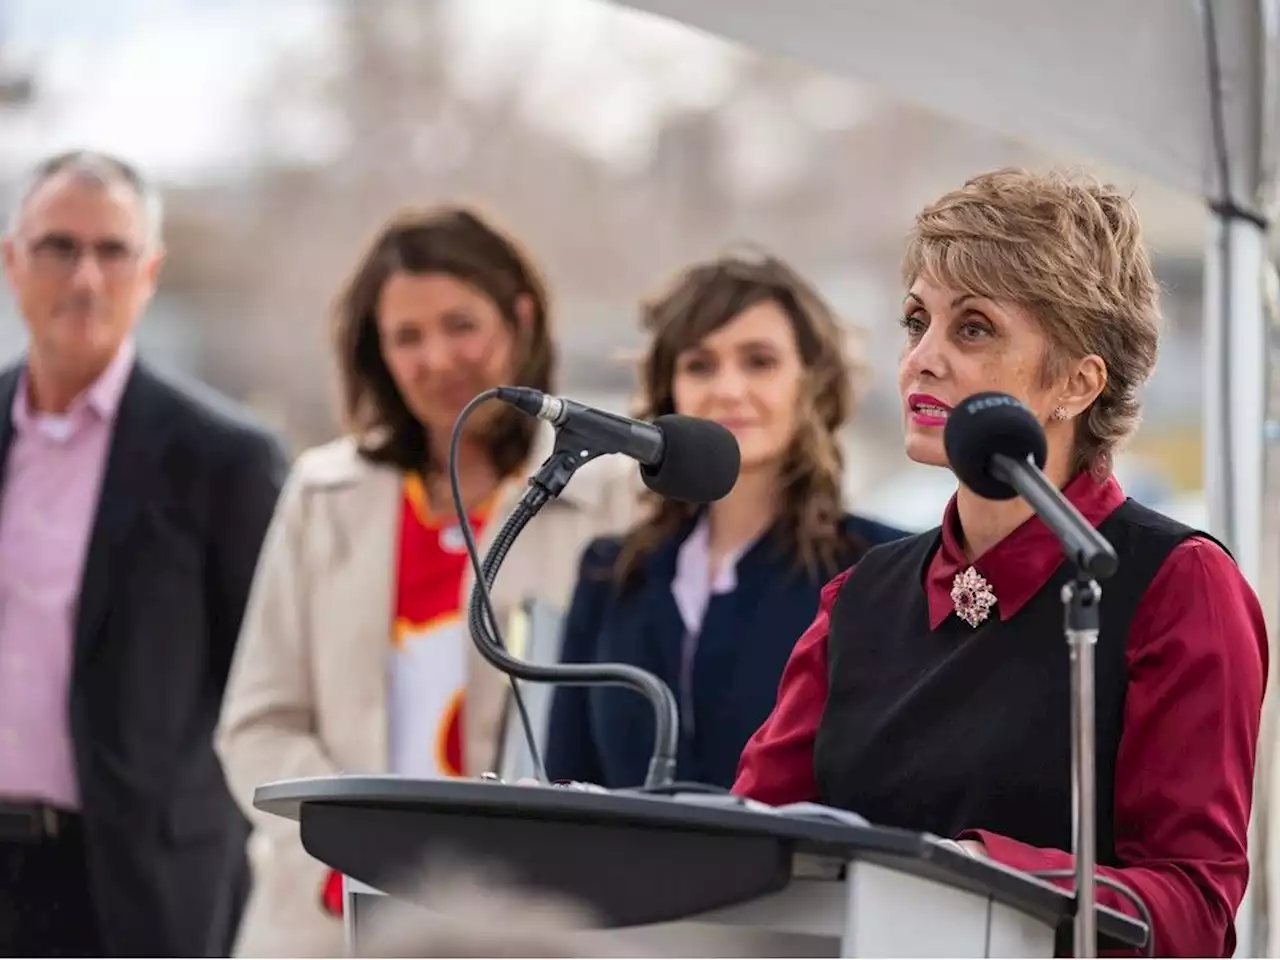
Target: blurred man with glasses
[132,510]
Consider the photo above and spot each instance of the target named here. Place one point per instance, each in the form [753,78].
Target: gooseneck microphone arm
[571,451]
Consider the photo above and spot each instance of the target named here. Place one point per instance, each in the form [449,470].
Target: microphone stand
[1081,598]
[570,452]
[1094,558]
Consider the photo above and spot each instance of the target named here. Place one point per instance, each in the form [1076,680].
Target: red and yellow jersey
[429,639]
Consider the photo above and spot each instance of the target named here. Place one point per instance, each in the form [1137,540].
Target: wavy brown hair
[703,298]
[458,242]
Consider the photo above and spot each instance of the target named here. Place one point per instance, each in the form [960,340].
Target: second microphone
[681,458]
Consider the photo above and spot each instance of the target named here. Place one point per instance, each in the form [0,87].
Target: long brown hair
[704,298]
[457,242]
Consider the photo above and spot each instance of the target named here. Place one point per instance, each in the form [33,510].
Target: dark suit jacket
[187,494]
[605,735]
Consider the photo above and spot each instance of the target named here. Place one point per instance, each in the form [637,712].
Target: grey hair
[99,169]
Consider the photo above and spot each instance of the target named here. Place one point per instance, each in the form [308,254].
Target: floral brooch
[972,597]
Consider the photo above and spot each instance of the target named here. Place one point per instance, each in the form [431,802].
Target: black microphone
[681,458]
[997,449]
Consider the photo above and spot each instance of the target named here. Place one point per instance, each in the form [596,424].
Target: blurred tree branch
[16,90]
[368,120]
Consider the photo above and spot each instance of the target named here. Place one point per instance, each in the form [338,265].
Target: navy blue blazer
[604,735]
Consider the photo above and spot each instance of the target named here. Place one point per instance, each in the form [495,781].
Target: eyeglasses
[62,253]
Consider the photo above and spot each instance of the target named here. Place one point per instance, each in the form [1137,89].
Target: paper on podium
[535,634]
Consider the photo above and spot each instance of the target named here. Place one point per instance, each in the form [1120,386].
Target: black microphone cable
[492,627]
[686,434]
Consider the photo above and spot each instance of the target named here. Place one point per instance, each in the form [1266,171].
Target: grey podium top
[700,813]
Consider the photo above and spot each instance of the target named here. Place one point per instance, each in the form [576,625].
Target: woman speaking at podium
[931,692]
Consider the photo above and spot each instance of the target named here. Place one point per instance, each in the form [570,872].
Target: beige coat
[308,689]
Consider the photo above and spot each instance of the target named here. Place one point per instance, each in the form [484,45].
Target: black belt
[33,822]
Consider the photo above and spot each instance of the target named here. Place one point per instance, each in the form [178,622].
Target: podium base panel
[875,912]
[705,940]
[896,914]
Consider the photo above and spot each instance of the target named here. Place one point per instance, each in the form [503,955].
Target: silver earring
[1059,413]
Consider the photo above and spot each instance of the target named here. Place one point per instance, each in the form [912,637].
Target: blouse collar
[1017,567]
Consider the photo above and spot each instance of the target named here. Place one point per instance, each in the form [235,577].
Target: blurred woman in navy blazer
[711,599]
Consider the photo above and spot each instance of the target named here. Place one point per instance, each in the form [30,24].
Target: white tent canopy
[1125,83]
[1185,93]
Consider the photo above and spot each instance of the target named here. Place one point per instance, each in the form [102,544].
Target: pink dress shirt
[52,479]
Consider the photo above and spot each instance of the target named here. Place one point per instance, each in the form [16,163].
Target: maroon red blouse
[1197,660]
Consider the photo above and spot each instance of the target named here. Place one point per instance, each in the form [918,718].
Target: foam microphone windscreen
[700,460]
[983,425]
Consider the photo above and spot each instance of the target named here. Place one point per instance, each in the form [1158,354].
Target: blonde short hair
[1069,251]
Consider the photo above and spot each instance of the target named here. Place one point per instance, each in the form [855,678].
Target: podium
[693,864]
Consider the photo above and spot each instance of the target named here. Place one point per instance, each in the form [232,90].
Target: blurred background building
[617,145]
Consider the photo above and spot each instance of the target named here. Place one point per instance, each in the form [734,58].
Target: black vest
[963,728]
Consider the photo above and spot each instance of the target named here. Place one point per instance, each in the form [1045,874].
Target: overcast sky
[169,81]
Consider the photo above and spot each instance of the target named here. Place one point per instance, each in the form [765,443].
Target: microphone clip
[572,450]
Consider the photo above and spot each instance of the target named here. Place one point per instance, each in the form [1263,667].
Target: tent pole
[1236,395]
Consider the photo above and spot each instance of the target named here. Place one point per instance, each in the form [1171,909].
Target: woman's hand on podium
[974,848]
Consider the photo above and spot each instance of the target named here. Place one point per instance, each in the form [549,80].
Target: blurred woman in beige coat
[354,655]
